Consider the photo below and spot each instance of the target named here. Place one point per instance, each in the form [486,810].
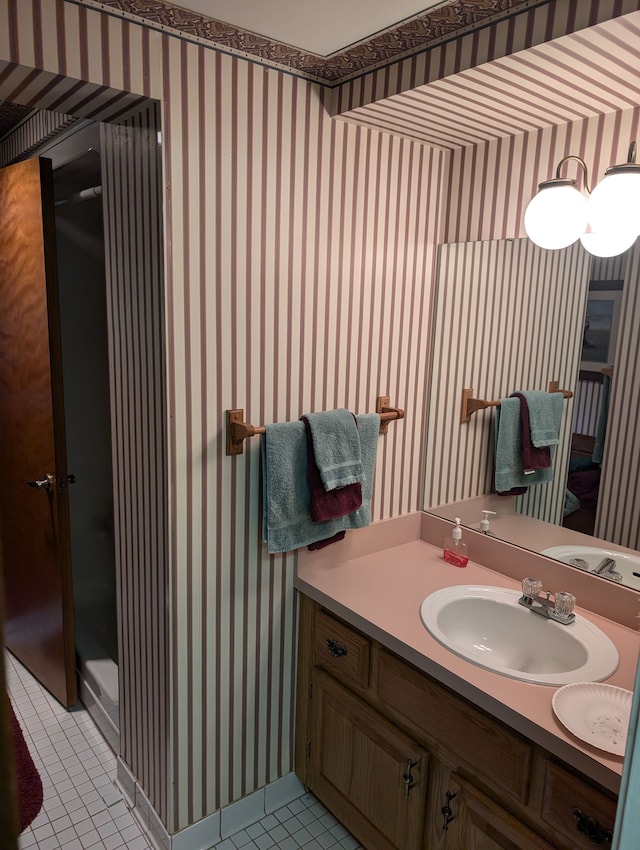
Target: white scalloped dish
[596,713]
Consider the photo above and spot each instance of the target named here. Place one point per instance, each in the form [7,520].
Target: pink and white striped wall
[299,269]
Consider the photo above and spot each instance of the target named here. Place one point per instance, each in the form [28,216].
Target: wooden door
[368,773]
[478,823]
[34,520]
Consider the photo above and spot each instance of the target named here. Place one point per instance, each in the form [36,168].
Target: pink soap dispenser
[455,549]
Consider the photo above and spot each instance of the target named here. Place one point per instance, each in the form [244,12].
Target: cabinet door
[370,775]
[478,823]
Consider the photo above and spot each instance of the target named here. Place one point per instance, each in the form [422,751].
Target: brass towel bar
[238,430]
[471,405]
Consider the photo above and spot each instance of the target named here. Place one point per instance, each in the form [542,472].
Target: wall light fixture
[606,221]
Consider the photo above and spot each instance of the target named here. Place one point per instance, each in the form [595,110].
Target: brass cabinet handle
[591,827]
[336,649]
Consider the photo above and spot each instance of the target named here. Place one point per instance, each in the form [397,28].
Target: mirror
[511,316]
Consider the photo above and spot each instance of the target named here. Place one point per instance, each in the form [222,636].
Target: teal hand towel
[508,461]
[545,416]
[286,521]
[336,447]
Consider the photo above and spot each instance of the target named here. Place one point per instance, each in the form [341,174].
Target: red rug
[28,782]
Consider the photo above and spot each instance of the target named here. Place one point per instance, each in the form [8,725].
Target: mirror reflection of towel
[545,416]
[509,472]
[533,457]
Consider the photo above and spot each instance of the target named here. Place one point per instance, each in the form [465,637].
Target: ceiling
[588,73]
[320,28]
[328,41]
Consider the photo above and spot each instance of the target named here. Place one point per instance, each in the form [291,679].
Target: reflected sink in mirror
[589,557]
[488,626]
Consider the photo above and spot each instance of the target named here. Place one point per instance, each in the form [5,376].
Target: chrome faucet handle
[564,603]
[531,587]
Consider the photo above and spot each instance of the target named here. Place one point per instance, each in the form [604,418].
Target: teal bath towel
[509,472]
[545,416]
[336,447]
[287,523]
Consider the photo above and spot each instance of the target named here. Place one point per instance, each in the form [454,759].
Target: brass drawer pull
[336,649]
[590,827]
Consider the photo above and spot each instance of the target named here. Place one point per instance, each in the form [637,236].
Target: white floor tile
[80,811]
[84,810]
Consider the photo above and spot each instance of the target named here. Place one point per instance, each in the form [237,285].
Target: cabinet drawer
[477,741]
[340,650]
[565,793]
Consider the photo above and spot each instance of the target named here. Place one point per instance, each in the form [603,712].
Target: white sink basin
[626,564]
[487,626]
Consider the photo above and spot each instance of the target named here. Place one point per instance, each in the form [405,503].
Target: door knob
[45,483]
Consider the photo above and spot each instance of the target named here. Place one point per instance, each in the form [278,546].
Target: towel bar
[238,430]
[471,405]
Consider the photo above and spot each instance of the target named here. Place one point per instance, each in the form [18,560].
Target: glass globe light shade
[615,202]
[556,216]
[608,242]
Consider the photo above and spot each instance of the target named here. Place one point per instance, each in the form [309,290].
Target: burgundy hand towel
[532,456]
[328,504]
[320,544]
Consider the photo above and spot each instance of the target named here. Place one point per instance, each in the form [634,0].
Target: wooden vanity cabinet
[405,764]
[365,770]
[479,823]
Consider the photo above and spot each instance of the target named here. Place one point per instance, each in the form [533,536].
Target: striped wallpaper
[482,203]
[132,206]
[587,407]
[296,249]
[587,403]
[299,259]
[33,131]
[530,28]
[507,318]
[619,502]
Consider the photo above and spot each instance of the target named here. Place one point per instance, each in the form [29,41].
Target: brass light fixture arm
[585,170]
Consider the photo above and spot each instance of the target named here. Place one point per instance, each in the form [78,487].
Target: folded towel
[331,504]
[336,447]
[287,523]
[545,416]
[532,457]
[509,471]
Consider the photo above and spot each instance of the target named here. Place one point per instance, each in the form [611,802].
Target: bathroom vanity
[411,746]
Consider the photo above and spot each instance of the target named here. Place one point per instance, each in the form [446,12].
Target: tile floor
[84,810]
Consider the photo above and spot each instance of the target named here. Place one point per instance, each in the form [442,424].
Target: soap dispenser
[455,549]
[484,522]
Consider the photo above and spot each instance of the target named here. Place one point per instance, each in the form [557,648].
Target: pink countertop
[379,591]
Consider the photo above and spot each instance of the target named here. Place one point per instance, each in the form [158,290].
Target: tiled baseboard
[212,829]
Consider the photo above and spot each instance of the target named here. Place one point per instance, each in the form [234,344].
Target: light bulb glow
[608,242]
[556,217]
[615,203]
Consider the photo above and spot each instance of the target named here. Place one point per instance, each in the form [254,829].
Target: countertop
[380,591]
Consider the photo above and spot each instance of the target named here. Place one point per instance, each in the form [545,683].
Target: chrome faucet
[607,569]
[539,601]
